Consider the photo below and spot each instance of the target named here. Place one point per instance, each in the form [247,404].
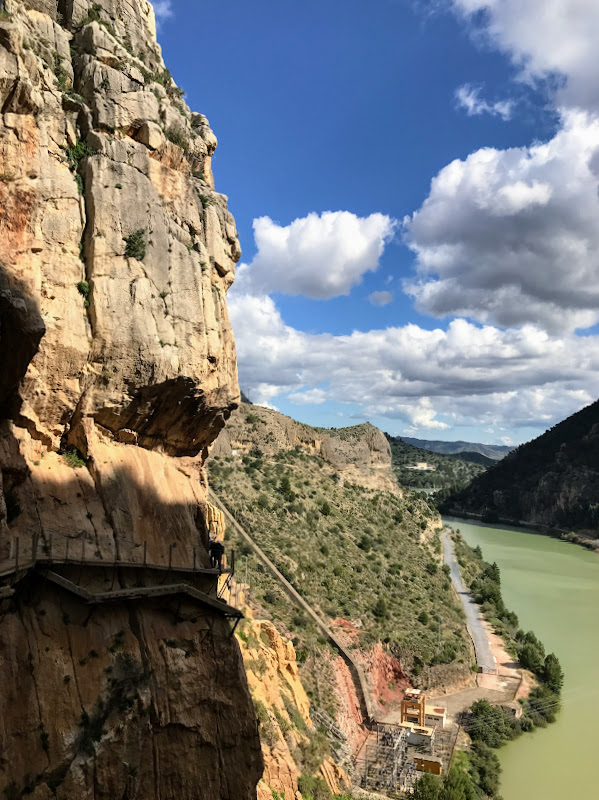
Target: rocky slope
[117,370]
[360,454]
[367,561]
[283,708]
[553,480]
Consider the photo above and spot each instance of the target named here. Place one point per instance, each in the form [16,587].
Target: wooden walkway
[142,593]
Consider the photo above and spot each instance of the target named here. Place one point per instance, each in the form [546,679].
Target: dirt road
[484,657]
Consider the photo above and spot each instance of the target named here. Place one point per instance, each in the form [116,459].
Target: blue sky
[441,310]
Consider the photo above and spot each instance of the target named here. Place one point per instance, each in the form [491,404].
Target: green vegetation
[451,472]
[75,155]
[165,79]
[178,137]
[313,788]
[83,288]
[63,79]
[74,458]
[351,552]
[205,200]
[135,244]
[514,488]
[473,776]
[78,152]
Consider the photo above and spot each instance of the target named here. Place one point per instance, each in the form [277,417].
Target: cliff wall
[117,370]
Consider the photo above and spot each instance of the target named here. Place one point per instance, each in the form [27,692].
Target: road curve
[484,657]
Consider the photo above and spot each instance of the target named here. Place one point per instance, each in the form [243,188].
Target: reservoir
[553,587]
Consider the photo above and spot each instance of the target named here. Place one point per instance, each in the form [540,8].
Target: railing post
[66,557]
[145,553]
[232,563]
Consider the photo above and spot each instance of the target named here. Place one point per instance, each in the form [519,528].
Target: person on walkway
[216,550]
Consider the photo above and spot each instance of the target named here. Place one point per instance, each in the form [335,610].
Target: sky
[415,185]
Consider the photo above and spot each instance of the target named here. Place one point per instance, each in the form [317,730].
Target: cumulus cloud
[320,256]
[380,298]
[545,39]
[512,236]
[428,379]
[469,98]
[311,397]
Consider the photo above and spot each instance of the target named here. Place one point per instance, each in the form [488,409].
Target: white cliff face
[116,255]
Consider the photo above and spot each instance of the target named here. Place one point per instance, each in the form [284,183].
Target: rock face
[361,454]
[553,480]
[117,370]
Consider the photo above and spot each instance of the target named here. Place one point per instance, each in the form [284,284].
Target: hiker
[216,550]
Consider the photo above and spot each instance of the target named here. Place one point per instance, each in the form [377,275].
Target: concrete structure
[418,734]
[435,716]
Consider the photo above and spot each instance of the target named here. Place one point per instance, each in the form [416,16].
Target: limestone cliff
[361,454]
[283,710]
[117,370]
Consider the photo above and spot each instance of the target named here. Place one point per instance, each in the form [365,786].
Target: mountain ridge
[494,451]
[552,480]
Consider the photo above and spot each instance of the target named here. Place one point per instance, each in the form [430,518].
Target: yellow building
[415,711]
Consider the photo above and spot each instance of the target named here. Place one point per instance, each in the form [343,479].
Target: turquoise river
[553,586]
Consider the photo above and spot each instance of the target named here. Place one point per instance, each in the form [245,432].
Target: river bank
[554,589]
[573,537]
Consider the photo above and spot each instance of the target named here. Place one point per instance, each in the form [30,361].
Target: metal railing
[20,554]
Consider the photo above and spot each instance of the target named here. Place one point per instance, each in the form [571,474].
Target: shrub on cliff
[135,244]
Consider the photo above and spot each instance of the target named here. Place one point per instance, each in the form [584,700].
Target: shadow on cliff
[86,514]
[21,331]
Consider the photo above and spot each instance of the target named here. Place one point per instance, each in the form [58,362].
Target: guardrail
[25,554]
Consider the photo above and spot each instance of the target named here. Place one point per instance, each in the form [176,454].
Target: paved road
[478,633]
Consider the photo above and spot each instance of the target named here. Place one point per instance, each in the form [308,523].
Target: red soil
[387,678]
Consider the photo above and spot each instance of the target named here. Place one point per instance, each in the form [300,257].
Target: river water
[553,586]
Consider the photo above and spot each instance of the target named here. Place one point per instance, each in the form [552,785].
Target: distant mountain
[475,457]
[449,474]
[493,451]
[553,480]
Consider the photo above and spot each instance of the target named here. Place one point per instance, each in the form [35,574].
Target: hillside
[359,454]
[368,560]
[412,467]
[553,480]
[494,451]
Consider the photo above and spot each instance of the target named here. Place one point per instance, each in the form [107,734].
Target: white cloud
[429,379]
[311,397]
[469,98]
[380,298]
[545,39]
[163,9]
[317,256]
[512,236]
